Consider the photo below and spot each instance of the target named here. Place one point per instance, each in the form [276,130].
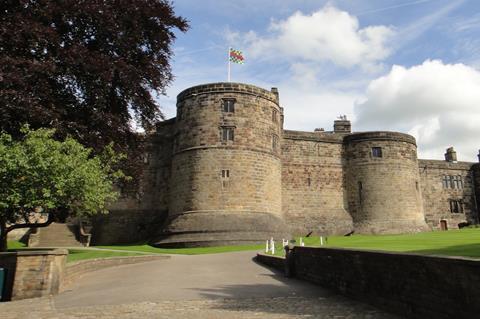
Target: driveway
[229,285]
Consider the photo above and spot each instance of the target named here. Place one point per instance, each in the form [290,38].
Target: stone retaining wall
[38,273]
[274,262]
[77,269]
[32,274]
[414,286]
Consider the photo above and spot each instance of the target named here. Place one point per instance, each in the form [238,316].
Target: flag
[236,56]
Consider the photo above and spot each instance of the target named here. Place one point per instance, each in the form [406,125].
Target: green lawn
[184,251]
[464,242]
[139,250]
[81,254]
[14,244]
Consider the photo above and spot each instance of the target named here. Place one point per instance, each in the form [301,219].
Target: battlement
[318,136]
[229,87]
[380,136]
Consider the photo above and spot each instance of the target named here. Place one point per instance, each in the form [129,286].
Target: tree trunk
[3,235]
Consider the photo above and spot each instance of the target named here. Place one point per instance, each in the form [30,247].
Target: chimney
[342,125]
[451,155]
[275,91]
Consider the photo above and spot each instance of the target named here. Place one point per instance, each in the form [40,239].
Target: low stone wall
[75,270]
[413,286]
[275,262]
[38,273]
[31,274]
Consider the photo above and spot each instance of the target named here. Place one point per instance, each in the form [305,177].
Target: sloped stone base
[220,228]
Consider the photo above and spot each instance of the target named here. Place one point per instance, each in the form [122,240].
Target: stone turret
[226,172]
[342,125]
[451,155]
[383,183]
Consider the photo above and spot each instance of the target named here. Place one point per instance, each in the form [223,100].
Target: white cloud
[325,35]
[307,110]
[438,103]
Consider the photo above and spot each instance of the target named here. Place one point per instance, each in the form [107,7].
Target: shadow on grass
[470,250]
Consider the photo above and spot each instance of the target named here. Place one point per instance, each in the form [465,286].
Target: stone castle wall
[383,192]
[266,181]
[437,197]
[223,186]
[138,214]
[313,189]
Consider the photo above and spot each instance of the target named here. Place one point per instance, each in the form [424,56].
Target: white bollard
[273,247]
[266,247]
[301,242]
[321,240]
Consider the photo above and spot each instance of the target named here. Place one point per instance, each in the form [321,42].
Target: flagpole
[228,57]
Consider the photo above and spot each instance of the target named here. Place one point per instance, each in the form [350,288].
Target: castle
[225,171]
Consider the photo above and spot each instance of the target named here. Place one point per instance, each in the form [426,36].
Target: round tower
[382,182]
[225,186]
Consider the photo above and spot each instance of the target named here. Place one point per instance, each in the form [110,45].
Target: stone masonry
[224,171]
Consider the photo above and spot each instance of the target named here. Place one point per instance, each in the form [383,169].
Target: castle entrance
[443,225]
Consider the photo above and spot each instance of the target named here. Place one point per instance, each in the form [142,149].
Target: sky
[411,66]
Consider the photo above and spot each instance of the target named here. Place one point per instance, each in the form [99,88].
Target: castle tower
[382,182]
[225,186]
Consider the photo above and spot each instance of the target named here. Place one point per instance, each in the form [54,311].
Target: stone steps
[57,235]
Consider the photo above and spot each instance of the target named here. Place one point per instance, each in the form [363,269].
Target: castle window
[309,182]
[274,142]
[225,178]
[225,173]
[445,181]
[274,116]
[228,105]
[360,188]
[452,181]
[456,206]
[377,152]
[227,134]
[458,181]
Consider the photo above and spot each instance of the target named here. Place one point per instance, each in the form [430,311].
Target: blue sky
[399,65]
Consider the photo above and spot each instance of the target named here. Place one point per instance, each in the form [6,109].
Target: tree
[40,174]
[85,67]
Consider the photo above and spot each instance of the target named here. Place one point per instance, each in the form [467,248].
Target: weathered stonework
[313,187]
[229,173]
[207,204]
[383,192]
[31,274]
[436,198]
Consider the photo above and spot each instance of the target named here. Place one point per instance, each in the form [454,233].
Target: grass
[184,251]
[82,254]
[464,242]
[15,244]
[138,250]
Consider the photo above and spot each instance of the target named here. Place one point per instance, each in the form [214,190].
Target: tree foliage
[85,67]
[40,174]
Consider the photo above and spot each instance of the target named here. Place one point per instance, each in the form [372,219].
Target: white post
[301,242]
[321,240]
[266,247]
[229,49]
[273,247]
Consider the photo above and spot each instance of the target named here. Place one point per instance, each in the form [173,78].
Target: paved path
[228,285]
